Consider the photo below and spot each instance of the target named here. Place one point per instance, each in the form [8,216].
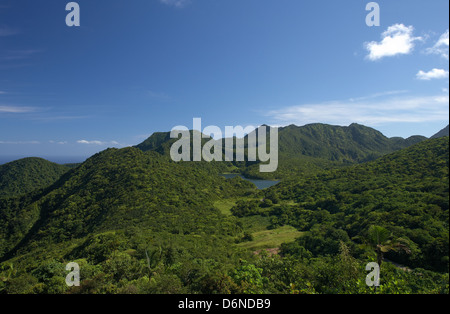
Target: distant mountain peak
[442,133]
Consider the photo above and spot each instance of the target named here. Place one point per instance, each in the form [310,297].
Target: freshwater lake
[260,184]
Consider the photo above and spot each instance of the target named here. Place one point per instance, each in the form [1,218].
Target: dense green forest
[405,192]
[308,149]
[137,222]
[28,174]
[304,150]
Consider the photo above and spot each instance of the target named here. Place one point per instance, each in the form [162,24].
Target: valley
[137,222]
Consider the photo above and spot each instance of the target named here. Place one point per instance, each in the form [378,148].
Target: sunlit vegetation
[137,222]
[28,174]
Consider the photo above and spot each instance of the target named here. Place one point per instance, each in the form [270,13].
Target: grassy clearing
[225,205]
[253,224]
[271,238]
[257,226]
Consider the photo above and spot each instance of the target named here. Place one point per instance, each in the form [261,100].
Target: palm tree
[153,259]
[380,239]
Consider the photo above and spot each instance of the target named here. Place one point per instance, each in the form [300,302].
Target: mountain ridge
[444,132]
[307,148]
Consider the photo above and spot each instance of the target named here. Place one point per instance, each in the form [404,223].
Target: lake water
[260,184]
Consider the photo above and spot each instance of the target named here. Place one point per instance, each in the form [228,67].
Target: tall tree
[380,238]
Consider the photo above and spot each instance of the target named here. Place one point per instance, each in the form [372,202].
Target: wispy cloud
[377,95]
[6,31]
[11,55]
[157,95]
[17,58]
[16,109]
[58,142]
[432,74]
[40,114]
[20,142]
[369,112]
[95,142]
[48,117]
[176,3]
[441,47]
[398,39]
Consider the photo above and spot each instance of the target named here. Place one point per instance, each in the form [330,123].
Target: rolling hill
[112,190]
[28,174]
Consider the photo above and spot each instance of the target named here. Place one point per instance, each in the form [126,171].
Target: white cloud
[58,142]
[397,39]
[373,112]
[441,47]
[433,74]
[97,142]
[90,142]
[176,3]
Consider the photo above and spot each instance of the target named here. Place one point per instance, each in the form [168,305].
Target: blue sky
[134,67]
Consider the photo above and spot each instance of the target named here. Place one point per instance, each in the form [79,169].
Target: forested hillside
[120,204]
[137,222]
[407,193]
[396,207]
[28,174]
[307,149]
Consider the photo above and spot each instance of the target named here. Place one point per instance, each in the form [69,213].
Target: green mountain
[159,142]
[126,200]
[137,222]
[406,192]
[309,148]
[28,174]
[314,147]
[111,190]
[442,133]
[353,144]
